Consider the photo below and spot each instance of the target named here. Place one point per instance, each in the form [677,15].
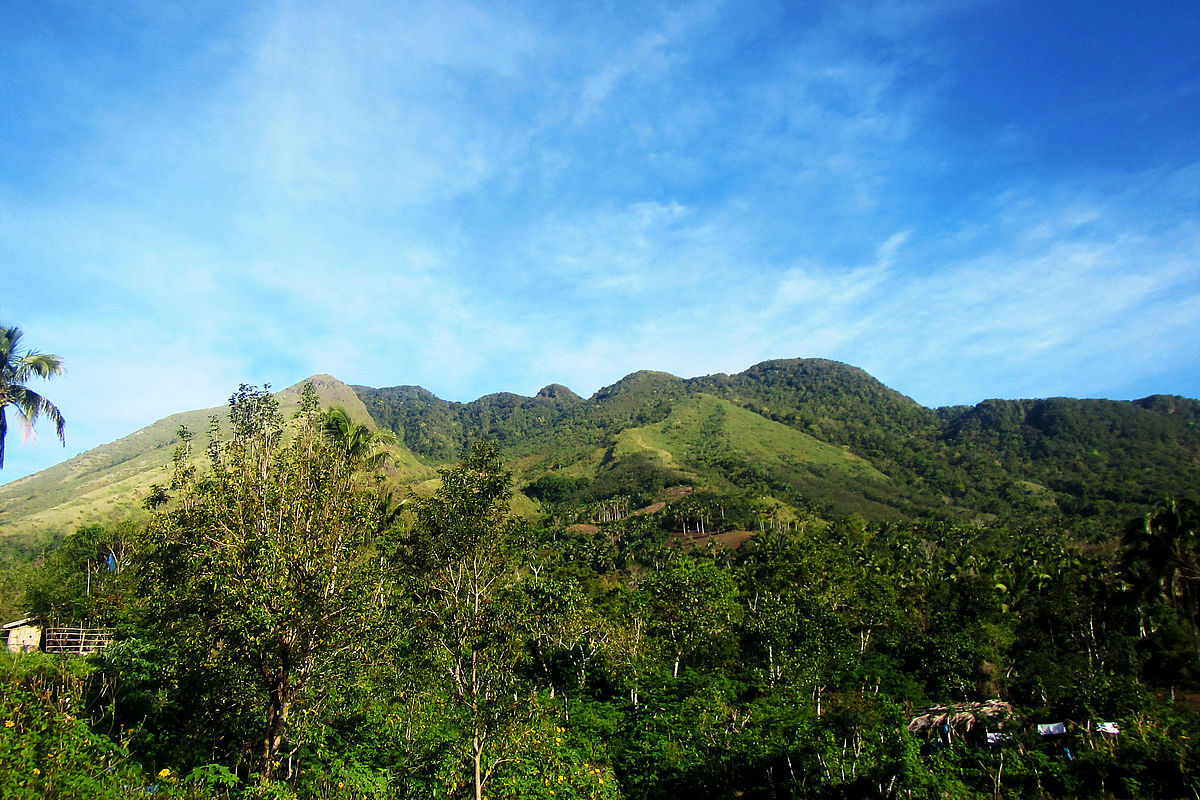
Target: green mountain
[1078,457]
[808,433]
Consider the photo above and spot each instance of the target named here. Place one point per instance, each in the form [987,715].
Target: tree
[1162,555]
[86,579]
[17,366]
[356,442]
[694,607]
[462,553]
[260,569]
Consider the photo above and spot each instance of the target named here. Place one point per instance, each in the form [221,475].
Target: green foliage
[48,747]
[47,752]
[354,442]
[258,580]
[1162,555]
[86,579]
[462,548]
[295,632]
[637,477]
[554,488]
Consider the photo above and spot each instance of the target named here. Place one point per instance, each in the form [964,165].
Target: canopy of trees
[285,627]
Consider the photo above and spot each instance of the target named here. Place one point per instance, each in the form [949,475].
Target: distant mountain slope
[720,444]
[804,431]
[960,461]
[104,484]
[110,482]
[1096,456]
[439,430]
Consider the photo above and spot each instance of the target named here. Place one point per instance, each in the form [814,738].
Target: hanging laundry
[112,563]
[1052,729]
[1108,727]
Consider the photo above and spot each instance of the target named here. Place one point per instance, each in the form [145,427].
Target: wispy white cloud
[1061,295]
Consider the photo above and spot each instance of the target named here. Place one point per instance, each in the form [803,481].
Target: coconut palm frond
[16,367]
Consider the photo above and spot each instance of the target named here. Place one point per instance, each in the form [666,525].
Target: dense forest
[792,582]
[761,429]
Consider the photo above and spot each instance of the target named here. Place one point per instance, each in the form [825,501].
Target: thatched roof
[964,718]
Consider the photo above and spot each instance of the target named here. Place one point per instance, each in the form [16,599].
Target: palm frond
[31,405]
[44,365]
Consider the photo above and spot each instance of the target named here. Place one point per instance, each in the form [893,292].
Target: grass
[704,434]
[109,483]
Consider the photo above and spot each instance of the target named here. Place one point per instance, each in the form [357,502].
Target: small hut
[967,721]
[22,635]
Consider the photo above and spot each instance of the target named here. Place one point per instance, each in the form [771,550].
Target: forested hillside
[1096,458]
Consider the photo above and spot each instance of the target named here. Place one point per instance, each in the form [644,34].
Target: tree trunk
[477,758]
[277,714]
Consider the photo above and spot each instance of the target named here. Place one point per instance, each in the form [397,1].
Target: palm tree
[16,367]
[1162,554]
[357,443]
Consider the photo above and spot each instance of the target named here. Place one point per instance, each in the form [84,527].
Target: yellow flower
[341,785]
[165,772]
[37,771]
[8,723]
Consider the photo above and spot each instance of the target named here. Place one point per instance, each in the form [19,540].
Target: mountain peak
[319,381]
[644,380]
[556,391]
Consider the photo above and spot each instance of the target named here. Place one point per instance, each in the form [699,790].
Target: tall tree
[462,552]
[17,366]
[1162,555]
[260,569]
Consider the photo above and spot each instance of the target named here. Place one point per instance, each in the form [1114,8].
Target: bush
[46,751]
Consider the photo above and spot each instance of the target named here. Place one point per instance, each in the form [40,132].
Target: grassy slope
[702,425]
[109,482]
[705,436]
[101,485]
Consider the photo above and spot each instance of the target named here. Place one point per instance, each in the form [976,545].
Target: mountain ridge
[1065,455]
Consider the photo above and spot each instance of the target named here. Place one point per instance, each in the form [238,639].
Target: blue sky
[966,199]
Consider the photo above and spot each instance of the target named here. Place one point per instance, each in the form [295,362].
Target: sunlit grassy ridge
[110,482]
[713,440]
